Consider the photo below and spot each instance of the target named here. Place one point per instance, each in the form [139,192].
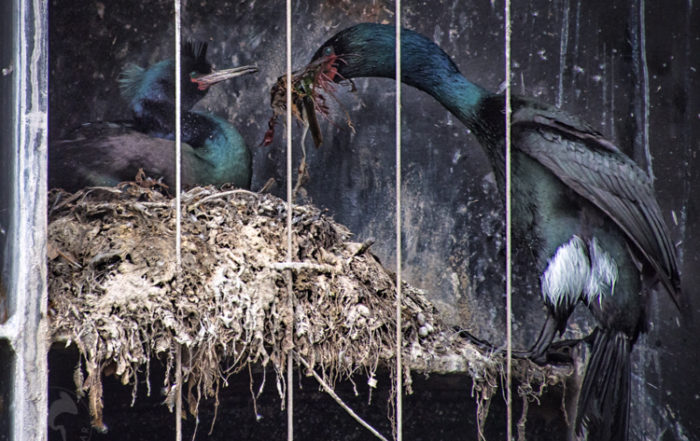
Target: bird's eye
[328,51]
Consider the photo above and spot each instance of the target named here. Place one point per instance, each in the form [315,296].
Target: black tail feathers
[603,405]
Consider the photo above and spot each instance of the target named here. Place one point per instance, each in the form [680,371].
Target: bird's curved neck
[458,95]
[424,65]
[470,103]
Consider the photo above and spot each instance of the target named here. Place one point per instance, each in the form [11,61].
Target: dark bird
[106,153]
[584,215]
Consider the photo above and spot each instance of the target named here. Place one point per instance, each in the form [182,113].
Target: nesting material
[116,292]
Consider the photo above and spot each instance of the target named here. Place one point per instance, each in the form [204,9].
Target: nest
[117,291]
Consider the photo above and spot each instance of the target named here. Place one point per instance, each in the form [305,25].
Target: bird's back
[576,163]
[105,154]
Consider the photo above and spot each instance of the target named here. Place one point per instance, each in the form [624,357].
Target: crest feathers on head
[130,81]
[197,52]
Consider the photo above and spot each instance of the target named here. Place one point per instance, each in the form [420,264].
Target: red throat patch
[200,85]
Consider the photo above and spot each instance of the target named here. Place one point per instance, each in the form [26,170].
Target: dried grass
[115,292]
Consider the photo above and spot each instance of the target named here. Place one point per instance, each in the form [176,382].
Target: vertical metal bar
[178,396]
[178,208]
[509,244]
[27,329]
[178,138]
[290,207]
[399,294]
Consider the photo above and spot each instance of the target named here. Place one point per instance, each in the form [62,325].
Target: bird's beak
[217,76]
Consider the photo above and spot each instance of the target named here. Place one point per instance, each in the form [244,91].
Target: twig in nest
[563,404]
[253,396]
[364,247]
[301,266]
[329,390]
[267,185]
[523,418]
[144,181]
[221,195]
[53,251]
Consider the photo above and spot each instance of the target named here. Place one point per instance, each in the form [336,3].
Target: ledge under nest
[115,291]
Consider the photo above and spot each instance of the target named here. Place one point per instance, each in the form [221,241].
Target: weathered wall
[587,56]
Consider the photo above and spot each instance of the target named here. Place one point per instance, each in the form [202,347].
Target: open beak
[217,76]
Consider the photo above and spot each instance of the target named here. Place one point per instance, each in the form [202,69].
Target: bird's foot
[557,353]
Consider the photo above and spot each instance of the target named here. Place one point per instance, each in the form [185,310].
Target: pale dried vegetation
[115,291]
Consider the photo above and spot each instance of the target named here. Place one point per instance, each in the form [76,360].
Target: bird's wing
[110,159]
[595,169]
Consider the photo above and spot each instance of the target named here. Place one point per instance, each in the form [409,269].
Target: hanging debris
[310,87]
[116,292]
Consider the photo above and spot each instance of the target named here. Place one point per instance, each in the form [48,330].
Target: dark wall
[638,88]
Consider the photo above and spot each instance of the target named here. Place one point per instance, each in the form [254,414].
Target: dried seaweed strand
[303,266]
[221,195]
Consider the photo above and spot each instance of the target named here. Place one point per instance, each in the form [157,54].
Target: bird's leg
[555,353]
[538,351]
[545,351]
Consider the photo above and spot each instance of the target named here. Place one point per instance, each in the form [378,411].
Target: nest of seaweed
[117,292]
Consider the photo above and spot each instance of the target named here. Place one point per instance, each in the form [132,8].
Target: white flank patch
[603,275]
[566,275]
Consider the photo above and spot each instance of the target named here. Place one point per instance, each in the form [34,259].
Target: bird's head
[197,70]
[194,63]
[363,50]
[156,84]
[368,50]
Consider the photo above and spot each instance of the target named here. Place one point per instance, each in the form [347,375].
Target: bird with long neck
[583,209]
[105,154]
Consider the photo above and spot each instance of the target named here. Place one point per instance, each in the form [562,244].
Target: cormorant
[584,215]
[106,153]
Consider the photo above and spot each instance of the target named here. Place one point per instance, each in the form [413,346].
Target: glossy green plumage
[213,152]
[568,184]
[105,154]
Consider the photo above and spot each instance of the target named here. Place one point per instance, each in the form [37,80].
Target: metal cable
[290,288]
[399,294]
[178,139]
[178,209]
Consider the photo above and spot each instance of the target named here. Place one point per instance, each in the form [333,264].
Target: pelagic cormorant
[106,153]
[584,215]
